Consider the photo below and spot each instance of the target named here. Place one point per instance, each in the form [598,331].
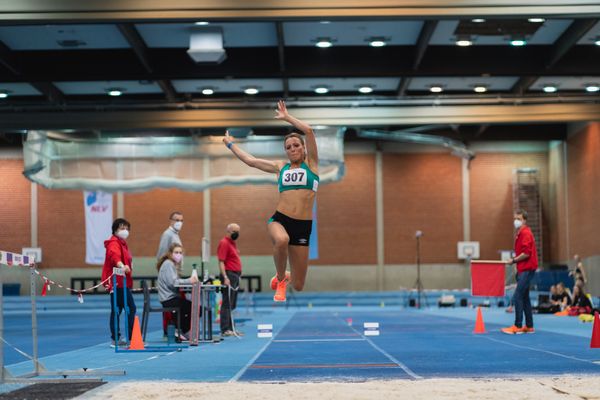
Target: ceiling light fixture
[114,92]
[536,20]
[321,89]
[597,41]
[207,91]
[377,41]
[464,42]
[549,88]
[3,94]
[592,88]
[480,89]
[365,89]
[517,42]
[251,90]
[478,20]
[436,89]
[323,42]
[201,23]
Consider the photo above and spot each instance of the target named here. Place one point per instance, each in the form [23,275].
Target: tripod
[418,285]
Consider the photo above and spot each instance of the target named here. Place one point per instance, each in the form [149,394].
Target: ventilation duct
[206,45]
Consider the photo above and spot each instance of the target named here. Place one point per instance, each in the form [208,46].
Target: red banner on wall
[487,278]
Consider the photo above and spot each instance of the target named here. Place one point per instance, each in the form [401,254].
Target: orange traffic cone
[595,343]
[479,325]
[136,336]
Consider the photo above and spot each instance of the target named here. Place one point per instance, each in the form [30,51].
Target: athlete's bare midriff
[297,204]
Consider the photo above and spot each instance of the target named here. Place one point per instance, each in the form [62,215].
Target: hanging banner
[98,221]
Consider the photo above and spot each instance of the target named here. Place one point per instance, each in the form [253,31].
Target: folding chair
[148,309]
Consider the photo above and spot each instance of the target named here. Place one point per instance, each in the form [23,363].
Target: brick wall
[422,192]
[149,213]
[15,207]
[583,166]
[491,176]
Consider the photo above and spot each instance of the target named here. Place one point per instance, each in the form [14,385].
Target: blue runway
[324,343]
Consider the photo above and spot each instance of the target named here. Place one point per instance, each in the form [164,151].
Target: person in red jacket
[527,262]
[118,255]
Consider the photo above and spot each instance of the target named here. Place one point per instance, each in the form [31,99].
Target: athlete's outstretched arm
[249,159]
[311,141]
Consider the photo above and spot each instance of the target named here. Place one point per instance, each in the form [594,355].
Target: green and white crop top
[297,178]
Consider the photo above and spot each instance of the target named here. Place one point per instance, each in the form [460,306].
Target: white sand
[545,388]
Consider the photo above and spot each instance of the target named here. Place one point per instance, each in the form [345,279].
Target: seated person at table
[169,268]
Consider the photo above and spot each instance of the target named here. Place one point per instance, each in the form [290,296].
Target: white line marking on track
[540,350]
[389,356]
[318,340]
[250,362]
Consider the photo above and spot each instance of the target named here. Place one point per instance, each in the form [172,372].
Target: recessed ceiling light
[597,42]
[464,42]
[550,88]
[365,89]
[436,89]
[251,90]
[592,87]
[536,20]
[323,43]
[478,20]
[480,89]
[518,42]
[322,89]
[325,22]
[207,91]
[200,23]
[3,94]
[114,92]
[377,42]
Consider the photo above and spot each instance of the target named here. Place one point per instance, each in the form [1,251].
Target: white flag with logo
[98,221]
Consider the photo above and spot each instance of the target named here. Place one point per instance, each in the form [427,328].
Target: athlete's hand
[281,112]
[227,139]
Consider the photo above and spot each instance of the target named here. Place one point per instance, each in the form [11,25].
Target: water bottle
[194,270]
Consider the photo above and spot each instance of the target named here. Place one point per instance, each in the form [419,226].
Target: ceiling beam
[281,54]
[128,10]
[423,42]
[403,86]
[562,45]
[9,61]
[333,116]
[568,39]
[140,49]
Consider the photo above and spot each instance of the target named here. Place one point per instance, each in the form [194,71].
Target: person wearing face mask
[231,271]
[171,234]
[298,180]
[526,263]
[118,255]
[168,267]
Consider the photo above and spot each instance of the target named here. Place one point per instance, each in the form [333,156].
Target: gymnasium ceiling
[60,61]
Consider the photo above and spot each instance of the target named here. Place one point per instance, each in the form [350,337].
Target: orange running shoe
[280,292]
[274,280]
[513,330]
[527,329]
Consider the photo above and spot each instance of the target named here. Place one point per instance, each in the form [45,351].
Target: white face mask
[177,225]
[123,234]
[518,223]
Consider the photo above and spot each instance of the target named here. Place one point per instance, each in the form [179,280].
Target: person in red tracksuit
[118,255]
[527,262]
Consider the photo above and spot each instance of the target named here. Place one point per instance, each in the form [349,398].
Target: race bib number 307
[294,177]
